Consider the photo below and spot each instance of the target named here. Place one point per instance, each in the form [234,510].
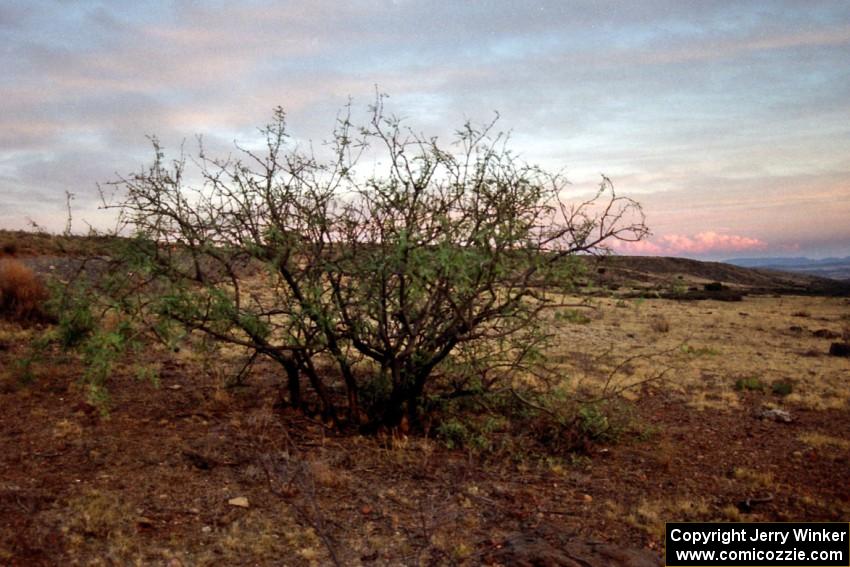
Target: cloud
[701,244]
[704,111]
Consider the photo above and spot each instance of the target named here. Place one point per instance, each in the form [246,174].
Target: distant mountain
[662,273]
[834,268]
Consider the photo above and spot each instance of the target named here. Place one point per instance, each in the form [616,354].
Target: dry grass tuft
[753,477]
[650,516]
[819,440]
[659,324]
[21,292]
[327,476]
[101,524]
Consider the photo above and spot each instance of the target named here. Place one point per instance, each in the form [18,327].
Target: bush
[21,293]
[402,283]
[72,306]
[749,384]
[93,329]
[782,388]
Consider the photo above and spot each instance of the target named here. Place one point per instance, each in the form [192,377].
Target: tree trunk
[293,382]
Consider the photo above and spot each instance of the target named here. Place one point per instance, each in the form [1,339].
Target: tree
[375,289]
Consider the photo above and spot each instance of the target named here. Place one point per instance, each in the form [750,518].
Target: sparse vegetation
[754,478]
[19,243]
[573,316]
[698,351]
[483,463]
[820,440]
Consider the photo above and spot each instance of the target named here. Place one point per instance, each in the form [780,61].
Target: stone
[826,334]
[839,349]
[775,414]
[239,502]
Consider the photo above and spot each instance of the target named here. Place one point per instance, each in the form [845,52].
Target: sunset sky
[729,121]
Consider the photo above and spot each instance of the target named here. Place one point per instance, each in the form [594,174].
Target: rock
[839,349]
[746,506]
[199,461]
[206,529]
[239,502]
[826,334]
[776,415]
[144,524]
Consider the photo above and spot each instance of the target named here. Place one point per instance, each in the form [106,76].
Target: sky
[728,121]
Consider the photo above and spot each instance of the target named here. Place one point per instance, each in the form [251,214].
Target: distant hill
[653,273]
[834,268]
[623,275]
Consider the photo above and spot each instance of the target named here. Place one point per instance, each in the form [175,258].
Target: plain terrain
[189,471]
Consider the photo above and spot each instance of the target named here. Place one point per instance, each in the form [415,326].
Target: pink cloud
[708,242]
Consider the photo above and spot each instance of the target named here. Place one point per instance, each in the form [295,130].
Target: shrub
[750,384]
[72,307]
[582,427]
[782,388]
[507,426]
[21,293]
[433,259]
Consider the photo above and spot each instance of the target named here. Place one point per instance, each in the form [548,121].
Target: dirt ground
[189,472]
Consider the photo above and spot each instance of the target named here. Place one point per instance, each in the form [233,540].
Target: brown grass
[659,324]
[710,344]
[22,294]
